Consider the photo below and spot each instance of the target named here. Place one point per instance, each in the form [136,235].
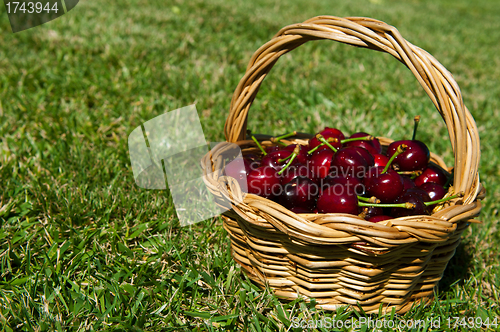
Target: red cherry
[435,192]
[333,200]
[327,133]
[252,160]
[332,132]
[264,181]
[252,157]
[414,198]
[352,184]
[385,186]
[432,174]
[272,148]
[302,157]
[407,183]
[424,196]
[372,211]
[363,152]
[253,165]
[372,146]
[272,159]
[300,192]
[319,163]
[379,218]
[380,160]
[349,162]
[239,169]
[416,156]
[293,171]
[298,210]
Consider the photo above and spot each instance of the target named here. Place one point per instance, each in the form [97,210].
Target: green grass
[83,248]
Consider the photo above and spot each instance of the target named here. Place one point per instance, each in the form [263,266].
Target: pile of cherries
[335,174]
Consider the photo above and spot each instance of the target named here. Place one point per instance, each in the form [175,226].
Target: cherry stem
[330,139]
[260,146]
[372,199]
[364,138]
[277,139]
[401,148]
[415,174]
[406,205]
[286,158]
[416,120]
[363,213]
[323,140]
[439,201]
[292,157]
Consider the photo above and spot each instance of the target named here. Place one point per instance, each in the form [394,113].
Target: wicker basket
[341,259]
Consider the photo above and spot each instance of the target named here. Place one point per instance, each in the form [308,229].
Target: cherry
[300,192]
[379,218]
[373,146]
[272,148]
[319,163]
[386,186]
[298,210]
[249,166]
[238,169]
[302,157]
[293,171]
[253,161]
[407,183]
[333,200]
[273,159]
[432,174]
[252,157]
[371,211]
[435,192]
[413,198]
[416,156]
[349,162]
[334,133]
[363,152]
[424,196]
[264,181]
[380,159]
[351,184]
[338,199]
[252,164]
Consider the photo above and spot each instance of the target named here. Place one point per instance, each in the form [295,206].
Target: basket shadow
[457,269]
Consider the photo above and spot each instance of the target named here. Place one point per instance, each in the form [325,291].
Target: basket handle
[369,33]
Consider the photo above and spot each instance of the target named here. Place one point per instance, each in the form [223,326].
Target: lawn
[83,248]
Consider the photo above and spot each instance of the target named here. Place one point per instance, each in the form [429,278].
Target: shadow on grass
[458,268]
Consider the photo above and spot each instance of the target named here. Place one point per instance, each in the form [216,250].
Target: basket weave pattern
[340,258]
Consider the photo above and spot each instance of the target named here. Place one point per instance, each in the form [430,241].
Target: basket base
[337,277]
